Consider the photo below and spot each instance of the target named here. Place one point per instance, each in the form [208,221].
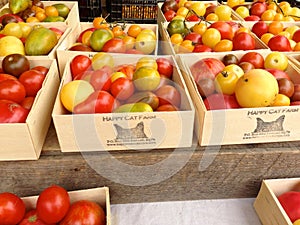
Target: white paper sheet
[200,212]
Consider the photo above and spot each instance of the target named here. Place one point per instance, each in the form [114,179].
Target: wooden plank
[236,171]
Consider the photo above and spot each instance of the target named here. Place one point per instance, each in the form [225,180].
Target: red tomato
[5,76]
[11,112]
[97,102]
[279,43]
[225,29]
[27,102]
[100,79]
[79,64]
[260,28]
[12,90]
[206,68]
[122,88]
[255,58]
[201,48]
[12,208]
[84,212]
[290,201]
[168,94]
[128,70]
[53,204]
[243,41]
[31,218]
[169,15]
[164,67]
[44,70]
[220,101]
[194,37]
[258,8]
[115,45]
[32,81]
[166,107]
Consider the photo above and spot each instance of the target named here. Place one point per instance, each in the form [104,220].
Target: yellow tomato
[281,100]
[74,93]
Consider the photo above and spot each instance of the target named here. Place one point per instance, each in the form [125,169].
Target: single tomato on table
[12,208]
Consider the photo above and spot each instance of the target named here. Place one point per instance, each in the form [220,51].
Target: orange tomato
[275,27]
[199,28]
[266,37]
[100,22]
[32,19]
[278,17]
[40,16]
[186,46]
[50,10]
[86,37]
[117,31]
[297,47]
[176,39]
[268,15]
[281,100]
[134,30]
[223,46]
[212,17]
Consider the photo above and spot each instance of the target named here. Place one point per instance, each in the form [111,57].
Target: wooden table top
[231,171]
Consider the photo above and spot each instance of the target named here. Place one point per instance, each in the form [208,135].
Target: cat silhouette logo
[272,126]
[136,132]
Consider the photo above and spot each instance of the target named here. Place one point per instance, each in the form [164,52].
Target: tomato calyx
[32,218]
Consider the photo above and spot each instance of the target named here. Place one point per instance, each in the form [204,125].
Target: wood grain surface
[235,171]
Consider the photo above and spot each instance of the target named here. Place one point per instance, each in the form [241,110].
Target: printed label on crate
[132,130]
[269,128]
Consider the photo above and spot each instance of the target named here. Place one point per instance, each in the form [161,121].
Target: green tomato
[177,26]
[98,38]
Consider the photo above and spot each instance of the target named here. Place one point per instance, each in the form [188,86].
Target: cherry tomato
[243,41]
[84,212]
[32,81]
[211,37]
[79,64]
[53,204]
[223,46]
[12,90]
[168,94]
[12,208]
[31,218]
[164,67]
[97,102]
[122,88]
[15,64]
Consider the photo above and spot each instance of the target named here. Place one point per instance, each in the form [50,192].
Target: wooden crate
[266,204]
[218,127]
[162,129]
[99,195]
[24,141]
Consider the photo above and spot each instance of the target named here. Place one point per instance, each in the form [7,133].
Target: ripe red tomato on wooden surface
[12,209]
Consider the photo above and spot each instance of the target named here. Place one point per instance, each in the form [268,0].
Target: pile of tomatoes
[116,38]
[219,36]
[251,80]
[100,86]
[19,85]
[53,206]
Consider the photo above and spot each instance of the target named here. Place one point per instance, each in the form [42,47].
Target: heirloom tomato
[243,41]
[164,67]
[84,212]
[53,204]
[12,208]
[12,90]
[122,88]
[32,80]
[79,64]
